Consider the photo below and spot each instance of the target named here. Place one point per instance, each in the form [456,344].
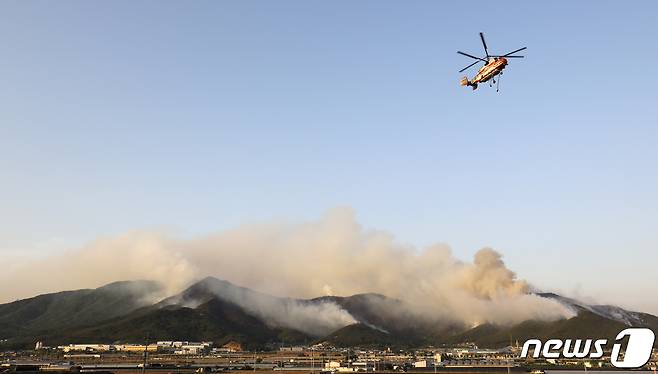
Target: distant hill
[591,321]
[608,312]
[216,310]
[361,335]
[70,309]
[584,325]
[383,321]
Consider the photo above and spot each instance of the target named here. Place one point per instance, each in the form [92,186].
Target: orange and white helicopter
[493,65]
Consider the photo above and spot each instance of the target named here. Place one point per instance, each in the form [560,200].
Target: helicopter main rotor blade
[471,56]
[513,52]
[484,44]
[510,56]
[469,66]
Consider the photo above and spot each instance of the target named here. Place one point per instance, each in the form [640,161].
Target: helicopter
[493,65]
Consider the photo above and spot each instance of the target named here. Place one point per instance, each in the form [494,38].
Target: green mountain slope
[360,335]
[585,325]
[214,320]
[70,309]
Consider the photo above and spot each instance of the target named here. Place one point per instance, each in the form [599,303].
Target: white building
[292,349]
[193,348]
[332,365]
[427,363]
[85,347]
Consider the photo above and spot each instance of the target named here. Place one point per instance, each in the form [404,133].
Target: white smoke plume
[317,318]
[332,255]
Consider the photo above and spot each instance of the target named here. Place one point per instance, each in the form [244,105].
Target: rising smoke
[316,318]
[334,255]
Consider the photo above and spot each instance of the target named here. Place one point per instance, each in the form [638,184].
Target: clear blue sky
[200,116]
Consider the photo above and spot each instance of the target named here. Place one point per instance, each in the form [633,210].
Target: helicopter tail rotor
[465,82]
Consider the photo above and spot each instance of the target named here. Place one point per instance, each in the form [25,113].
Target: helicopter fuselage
[494,67]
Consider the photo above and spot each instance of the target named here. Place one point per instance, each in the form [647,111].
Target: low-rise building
[136,348]
[85,348]
[193,348]
[292,349]
[427,363]
[332,365]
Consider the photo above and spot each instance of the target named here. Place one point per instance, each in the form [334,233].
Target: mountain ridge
[74,308]
[217,310]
